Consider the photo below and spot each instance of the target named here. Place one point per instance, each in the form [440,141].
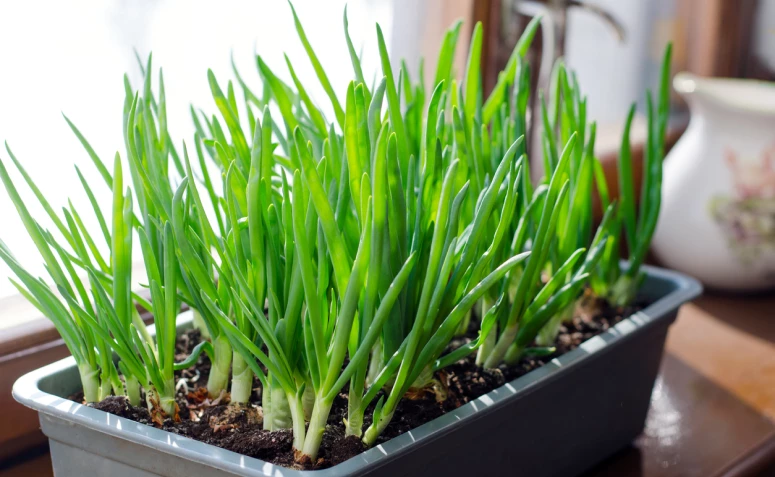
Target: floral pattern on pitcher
[747,219]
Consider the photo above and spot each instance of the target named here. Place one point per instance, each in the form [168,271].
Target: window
[71,59]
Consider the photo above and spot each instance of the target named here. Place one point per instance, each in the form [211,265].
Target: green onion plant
[93,356]
[619,283]
[77,268]
[342,255]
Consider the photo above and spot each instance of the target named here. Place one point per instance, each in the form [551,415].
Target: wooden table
[713,406]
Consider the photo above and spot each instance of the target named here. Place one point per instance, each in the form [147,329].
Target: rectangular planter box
[560,419]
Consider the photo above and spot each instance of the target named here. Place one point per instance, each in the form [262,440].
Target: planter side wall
[562,428]
[80,451]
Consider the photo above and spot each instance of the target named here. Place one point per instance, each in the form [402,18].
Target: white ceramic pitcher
[718,195]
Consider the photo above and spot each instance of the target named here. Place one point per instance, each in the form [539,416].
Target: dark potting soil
[239,429]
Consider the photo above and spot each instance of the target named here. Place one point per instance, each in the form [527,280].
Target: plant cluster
[342,255]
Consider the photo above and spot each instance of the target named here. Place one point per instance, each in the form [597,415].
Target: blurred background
[70,56]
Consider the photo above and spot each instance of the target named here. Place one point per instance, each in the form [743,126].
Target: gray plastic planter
[560,419]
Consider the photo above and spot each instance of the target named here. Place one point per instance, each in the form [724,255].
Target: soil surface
[239,429]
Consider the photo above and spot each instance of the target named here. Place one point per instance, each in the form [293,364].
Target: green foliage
[372,240]
[620,284]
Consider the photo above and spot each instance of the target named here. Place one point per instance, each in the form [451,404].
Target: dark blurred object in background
[730,38]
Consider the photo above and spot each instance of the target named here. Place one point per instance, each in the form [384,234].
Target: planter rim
[26,390]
